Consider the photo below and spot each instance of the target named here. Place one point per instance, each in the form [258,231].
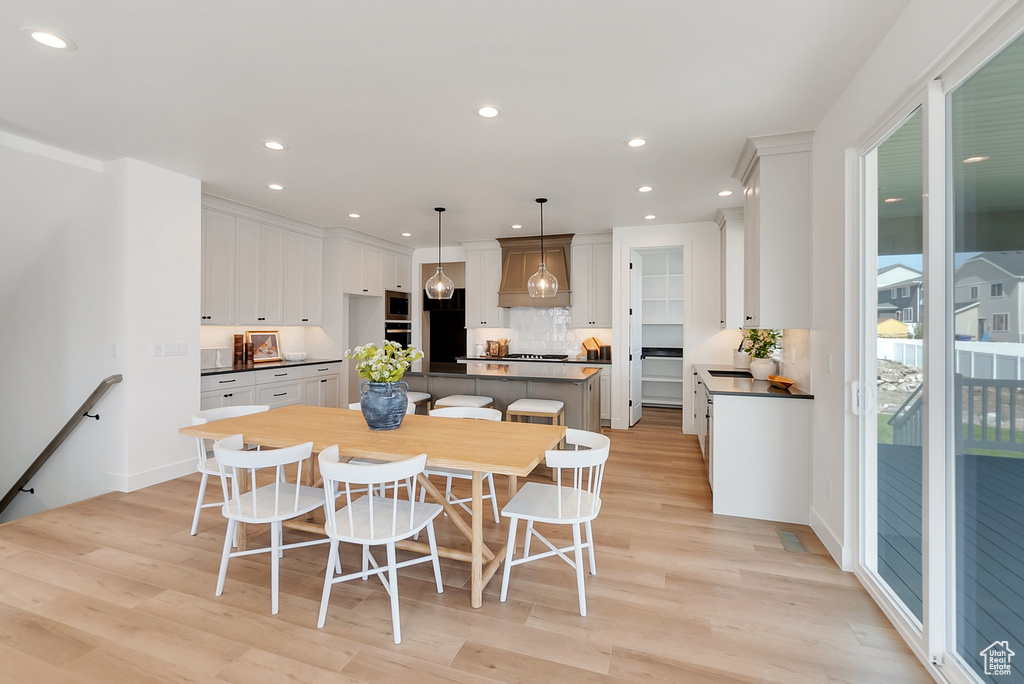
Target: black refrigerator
[447,327]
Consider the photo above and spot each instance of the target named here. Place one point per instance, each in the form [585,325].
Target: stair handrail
[58,439]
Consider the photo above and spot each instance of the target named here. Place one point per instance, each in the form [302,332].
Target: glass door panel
[986,170]
[894,487]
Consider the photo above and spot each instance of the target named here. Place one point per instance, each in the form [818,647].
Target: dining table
[505,448]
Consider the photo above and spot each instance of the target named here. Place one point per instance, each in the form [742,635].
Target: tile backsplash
[796,356]
[535,330]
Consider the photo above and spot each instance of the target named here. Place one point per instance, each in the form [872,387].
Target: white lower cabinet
[238,396]
[312,385]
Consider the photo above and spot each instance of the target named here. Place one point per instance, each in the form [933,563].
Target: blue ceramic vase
[383,404]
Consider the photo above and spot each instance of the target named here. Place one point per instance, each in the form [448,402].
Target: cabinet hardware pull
[228,395]
[324,380]
[750,318]
[280,375]
[322,369]
[89,415]
[224,381]
[304,320]
[281,394]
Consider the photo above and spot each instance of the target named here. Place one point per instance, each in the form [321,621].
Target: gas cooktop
[549,357]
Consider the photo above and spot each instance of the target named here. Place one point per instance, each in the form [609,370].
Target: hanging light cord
[542,232]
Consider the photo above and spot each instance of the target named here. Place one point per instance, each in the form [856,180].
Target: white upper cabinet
[303,279]
[254,273]
[218,268]
[483,278]
[592,285]
[396,271]
[776,174]
[731,235]
[363,269]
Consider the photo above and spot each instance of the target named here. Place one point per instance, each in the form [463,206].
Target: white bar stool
[536,408]
[464,401]
[417,398]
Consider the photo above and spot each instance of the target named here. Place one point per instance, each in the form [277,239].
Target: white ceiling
[377,100]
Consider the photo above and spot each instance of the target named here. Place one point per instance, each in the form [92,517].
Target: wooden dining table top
[502,447]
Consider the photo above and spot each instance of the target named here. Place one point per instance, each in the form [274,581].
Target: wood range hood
[519,259]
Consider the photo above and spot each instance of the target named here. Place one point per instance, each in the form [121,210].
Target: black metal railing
[82,413]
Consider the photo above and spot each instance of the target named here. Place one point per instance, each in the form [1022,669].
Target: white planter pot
[762,368]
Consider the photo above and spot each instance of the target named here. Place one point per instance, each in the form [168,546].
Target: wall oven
[398,331]
[396,306]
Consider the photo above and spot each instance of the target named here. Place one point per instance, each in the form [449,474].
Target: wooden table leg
[513,485]
[478,540]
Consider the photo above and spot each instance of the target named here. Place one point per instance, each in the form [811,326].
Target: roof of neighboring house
[890,274]
[1010,261]
[890,327]
[963,306]
[902,283]
[887,306]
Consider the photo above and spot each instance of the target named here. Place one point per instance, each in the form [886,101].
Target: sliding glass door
[986,310]
[893,177]
[942,468]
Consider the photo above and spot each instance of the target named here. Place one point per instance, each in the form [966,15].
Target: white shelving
[662,325]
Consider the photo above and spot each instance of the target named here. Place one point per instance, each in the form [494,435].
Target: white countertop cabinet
[776,175]
[483,278]
[592,285]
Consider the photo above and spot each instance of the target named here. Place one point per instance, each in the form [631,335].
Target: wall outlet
[115,350]
[828,362]
[158,349]
[828,489]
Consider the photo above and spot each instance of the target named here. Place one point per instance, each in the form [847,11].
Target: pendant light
[542,284]
[439,286]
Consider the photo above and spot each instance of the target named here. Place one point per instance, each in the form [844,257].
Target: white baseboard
[129,483]
[831,541]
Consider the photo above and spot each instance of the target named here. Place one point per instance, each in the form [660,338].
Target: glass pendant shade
[542,284]
[439,286]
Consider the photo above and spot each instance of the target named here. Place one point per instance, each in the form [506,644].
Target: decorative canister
[383,404]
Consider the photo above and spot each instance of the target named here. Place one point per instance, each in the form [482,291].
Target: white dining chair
[207,464]
[449,474]
[272,503]
[374,521]
[575,503]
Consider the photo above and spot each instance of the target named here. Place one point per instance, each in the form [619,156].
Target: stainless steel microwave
[396,306]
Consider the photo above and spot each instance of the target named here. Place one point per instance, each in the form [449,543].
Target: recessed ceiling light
[725,193]
[645,188]
[50,39]
[275,186]
[274,145]
[650,216]
[636,142]
[516,226]
[353,215]
[892,200]
[406,234]
[488,111]
[975,160]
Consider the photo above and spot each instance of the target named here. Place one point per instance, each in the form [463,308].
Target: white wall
[704,340]
[98,258]
[898,66]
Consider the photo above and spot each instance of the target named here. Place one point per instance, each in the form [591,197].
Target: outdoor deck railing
[979,410]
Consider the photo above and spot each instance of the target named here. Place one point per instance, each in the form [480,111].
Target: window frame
[992,290]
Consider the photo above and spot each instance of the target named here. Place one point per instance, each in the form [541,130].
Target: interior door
[635,340]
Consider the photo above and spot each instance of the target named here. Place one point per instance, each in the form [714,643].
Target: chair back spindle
[587,467]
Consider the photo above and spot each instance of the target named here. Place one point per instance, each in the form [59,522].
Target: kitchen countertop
[553,372]
[263,366]
[746,387]
[483,359]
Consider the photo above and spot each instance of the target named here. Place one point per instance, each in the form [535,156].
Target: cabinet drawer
[278,375]
[321,369]
[279,394]
[222,380]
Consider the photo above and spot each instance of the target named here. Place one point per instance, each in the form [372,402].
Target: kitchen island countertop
[265,366]
[747,387]
[571,360]
[554,372]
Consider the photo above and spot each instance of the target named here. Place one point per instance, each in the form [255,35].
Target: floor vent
[790,542]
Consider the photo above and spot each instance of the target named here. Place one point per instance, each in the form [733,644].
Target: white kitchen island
[756,444]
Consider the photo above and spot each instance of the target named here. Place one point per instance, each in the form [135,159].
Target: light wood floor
[115,590]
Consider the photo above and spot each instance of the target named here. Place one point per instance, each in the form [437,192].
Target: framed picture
[266,345]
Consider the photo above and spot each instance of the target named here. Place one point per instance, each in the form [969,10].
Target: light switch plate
[158,349]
